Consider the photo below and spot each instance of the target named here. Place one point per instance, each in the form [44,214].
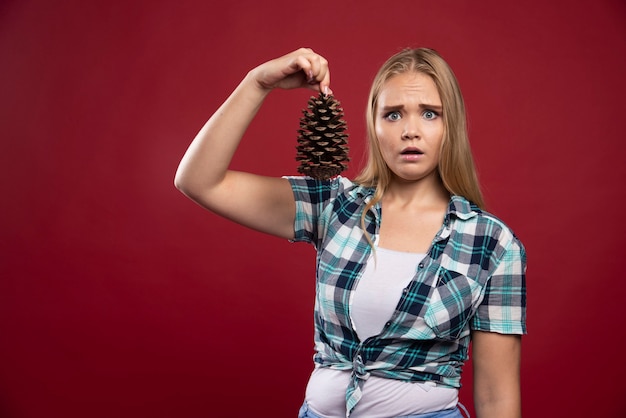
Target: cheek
[384,146]
[435,129]
[380,138]
[437,135]
[379,132]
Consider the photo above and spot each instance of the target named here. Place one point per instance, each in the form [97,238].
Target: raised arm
[496,368]
[262,203]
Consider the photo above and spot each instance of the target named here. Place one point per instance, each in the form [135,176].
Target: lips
[412,151]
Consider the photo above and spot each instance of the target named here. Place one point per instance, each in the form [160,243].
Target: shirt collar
[361,192]
[461,208]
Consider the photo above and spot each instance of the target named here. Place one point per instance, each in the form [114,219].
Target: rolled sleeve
[503,308]
[312,197]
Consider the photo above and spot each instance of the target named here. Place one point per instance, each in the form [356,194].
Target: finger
[318,75]
[314,68]
[316,71]
[304,64]
[312,64]
[322,76]
[325,79]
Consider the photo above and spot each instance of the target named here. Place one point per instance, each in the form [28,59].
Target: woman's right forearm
[207,159]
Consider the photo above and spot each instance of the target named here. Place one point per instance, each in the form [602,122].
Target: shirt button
[421,265]
[405,290]
[387,324]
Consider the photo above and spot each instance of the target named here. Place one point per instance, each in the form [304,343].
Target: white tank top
[373,302]
[379,289]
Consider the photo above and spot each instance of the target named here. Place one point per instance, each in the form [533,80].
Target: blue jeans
[305,412]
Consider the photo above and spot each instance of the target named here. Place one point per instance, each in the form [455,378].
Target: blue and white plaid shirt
[472,278]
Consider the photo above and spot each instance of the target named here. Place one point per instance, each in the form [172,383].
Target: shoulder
[324,190]
[470,217]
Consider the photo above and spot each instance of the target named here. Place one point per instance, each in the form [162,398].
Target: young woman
[409,267]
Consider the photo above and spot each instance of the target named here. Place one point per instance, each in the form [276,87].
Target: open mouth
[412,151]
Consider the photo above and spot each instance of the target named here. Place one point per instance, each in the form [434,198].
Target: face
[409,126]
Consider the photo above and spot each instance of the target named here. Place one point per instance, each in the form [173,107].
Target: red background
[119,297]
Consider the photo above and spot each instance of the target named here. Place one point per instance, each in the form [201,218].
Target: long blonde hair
[456,165]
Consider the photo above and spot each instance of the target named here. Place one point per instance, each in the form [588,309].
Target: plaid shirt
[472,278]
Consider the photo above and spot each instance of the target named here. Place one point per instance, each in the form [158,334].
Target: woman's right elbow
[179,182]
[194,191]
[183,185]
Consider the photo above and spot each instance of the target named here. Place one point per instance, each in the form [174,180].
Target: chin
[412,177]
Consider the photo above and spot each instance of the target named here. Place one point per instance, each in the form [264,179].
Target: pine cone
[322,142]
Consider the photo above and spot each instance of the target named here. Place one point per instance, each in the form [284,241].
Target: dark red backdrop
[119,297]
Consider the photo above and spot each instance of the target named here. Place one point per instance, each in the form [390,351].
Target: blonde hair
[456,165]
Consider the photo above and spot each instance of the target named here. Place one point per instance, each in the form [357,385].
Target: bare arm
[262,203]
[496,364]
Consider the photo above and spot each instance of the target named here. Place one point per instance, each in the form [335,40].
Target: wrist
[251,81]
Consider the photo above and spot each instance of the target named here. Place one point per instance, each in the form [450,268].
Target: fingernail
[310,74]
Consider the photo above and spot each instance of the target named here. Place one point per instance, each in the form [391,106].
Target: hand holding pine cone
[322,142]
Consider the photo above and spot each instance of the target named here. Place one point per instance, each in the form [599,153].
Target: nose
[411,129]
[409,134]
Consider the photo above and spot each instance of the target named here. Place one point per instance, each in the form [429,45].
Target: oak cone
[322,148]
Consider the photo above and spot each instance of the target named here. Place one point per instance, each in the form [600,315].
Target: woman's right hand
[300,68]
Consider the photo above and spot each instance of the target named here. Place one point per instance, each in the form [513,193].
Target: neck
[428,192]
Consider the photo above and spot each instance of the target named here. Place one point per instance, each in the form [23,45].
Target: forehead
[409,86]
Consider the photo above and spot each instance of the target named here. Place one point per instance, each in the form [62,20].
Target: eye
[393,116]
[430,114]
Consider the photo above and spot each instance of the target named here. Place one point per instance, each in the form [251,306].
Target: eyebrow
[422,105]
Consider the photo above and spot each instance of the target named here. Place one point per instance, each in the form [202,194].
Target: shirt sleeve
[503,308]
[312,197]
